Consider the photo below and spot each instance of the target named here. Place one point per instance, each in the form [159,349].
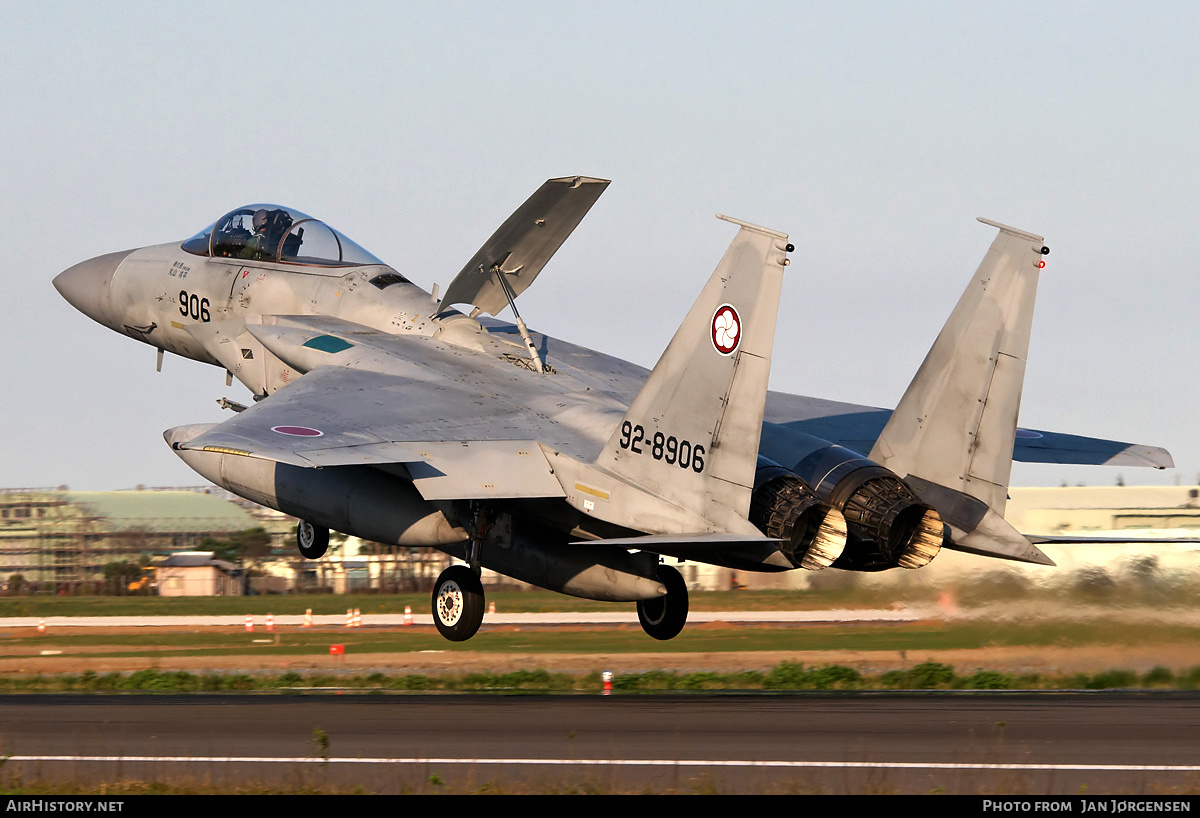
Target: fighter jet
[383,411]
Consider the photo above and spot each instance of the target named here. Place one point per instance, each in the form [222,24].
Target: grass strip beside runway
[714,637]
[787,676]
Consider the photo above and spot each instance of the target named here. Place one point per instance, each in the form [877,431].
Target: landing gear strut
[312,540]
[664,617]
[458,603]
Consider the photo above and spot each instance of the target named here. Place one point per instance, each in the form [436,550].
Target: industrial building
[1089,509]
[65,538]
[60,541]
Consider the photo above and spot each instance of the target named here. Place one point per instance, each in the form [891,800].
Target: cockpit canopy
[267,232]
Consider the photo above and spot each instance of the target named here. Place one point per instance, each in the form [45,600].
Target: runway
[977,743]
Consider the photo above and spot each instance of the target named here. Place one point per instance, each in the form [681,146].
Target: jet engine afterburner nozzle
[814,535]
[908,532]
[889,526]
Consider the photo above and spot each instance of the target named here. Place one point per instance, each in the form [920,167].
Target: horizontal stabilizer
[995,537]
[857,428]
[524,243]
[701,540]
[975,528]
[1055,447]
[1114,540]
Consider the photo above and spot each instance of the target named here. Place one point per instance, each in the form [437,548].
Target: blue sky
[873,133]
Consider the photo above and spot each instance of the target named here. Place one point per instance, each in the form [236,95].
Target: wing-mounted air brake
[951,436]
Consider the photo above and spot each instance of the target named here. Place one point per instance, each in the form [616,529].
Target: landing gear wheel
[664,617]
[312,540]
[458,603]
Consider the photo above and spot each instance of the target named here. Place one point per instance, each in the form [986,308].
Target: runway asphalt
[851,743]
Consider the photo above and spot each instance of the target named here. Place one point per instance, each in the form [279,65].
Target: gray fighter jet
[383,412]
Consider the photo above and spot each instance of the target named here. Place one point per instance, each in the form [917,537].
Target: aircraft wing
[462,442]
[857,427]
[459,433]
[524,243]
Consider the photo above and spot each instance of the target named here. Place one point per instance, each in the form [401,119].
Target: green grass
[786,676]
[907,636]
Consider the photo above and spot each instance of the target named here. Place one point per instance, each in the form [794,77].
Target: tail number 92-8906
[676,452]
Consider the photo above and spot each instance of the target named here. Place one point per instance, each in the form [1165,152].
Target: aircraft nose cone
[87,285]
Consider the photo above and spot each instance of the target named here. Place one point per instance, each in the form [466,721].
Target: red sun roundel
[297,431]
[726,329]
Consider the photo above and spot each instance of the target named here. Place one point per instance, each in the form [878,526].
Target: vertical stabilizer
[956,424]
[691,436]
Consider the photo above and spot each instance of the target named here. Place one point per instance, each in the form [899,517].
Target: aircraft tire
[458,603]
[312,540]
[664,618]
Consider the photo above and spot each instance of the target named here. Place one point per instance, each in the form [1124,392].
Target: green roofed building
[67,537]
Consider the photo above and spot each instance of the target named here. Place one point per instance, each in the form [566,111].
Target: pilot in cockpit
[264,232]
[268,228]
[257,242]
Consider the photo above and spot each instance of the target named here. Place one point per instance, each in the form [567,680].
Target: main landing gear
[312,540]
[458,603]
[664,617]
[458,593]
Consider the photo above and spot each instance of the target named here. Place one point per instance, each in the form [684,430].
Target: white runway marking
[627,762]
